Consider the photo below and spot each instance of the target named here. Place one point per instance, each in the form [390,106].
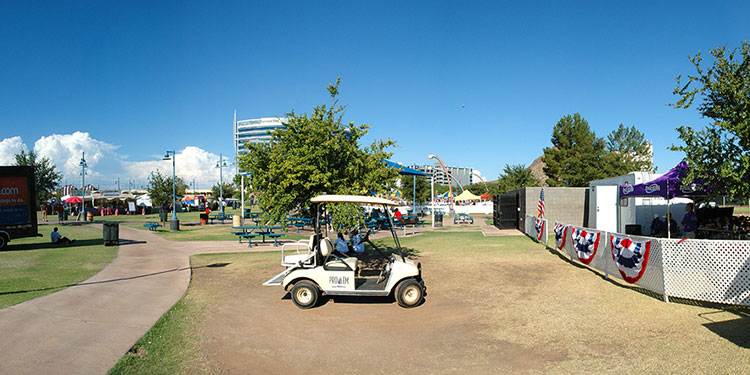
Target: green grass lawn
[33,267]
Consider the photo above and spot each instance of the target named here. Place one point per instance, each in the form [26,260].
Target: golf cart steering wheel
[366,237]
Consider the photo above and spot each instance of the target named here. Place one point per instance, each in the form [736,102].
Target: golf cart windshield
[379,205]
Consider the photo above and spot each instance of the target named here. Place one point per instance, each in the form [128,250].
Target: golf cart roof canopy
[352,199]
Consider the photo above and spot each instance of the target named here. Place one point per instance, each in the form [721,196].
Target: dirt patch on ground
[259,328]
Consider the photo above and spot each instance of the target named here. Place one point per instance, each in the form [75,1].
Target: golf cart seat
[338,264]
[326,248]
[299,259]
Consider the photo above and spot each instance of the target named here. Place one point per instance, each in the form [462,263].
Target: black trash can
[438,218]
[111,231]
[174,224]
[634,229]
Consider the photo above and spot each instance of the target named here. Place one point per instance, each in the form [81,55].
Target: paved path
[86,328]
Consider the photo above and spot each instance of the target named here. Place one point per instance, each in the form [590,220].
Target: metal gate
[505,213]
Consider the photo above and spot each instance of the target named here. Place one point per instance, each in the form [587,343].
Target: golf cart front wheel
[305,294]
[409,293]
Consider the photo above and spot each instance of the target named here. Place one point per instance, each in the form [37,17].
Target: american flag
[540,205]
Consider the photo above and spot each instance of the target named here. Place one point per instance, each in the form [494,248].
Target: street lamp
[221,164]
[174,191]
[83,182]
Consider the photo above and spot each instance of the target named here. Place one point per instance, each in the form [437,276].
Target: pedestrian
[44,212]
[689,222]
[60,213]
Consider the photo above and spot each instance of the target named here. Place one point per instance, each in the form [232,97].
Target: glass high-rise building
[255,131]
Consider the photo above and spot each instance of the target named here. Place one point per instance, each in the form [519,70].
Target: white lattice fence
[708,270]
[704,270]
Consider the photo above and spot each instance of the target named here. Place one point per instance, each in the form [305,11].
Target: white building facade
[464,175]
[255,131]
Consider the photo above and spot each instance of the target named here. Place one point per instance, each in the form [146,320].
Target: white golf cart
[313,268]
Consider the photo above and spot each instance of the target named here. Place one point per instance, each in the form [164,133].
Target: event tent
[667,186]
[467,196]
[406,171]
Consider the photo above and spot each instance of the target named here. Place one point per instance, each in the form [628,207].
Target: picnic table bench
[463,219]
[220,217]
[251,232]
[151,225]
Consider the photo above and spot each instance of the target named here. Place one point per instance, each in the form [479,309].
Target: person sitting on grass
[357,243]
[58,239]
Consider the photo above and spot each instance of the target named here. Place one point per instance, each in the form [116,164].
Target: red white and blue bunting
[585,243]
[630,257]
[539,225]
[560,234]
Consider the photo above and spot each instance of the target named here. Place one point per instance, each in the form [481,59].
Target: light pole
[175,224]
[118,184]
[221,164]
[83,183]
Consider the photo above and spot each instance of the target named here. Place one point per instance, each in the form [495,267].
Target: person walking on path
[689,222]
[60,213]
[43,208]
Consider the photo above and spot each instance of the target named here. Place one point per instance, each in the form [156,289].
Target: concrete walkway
[86,328]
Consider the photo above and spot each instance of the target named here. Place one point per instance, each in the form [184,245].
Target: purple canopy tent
[667,186]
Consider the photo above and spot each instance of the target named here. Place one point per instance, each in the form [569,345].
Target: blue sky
[141,78]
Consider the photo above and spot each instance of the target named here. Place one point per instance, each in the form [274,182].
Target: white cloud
[65,151]
[191,163]
[9,147]
[106,164]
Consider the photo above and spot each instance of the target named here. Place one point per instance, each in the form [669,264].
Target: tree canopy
[228,190]
[312,155]
[720,153]
[422,188]
[516,176]
[46,176]
[160,188]
[576,156]
[629,151]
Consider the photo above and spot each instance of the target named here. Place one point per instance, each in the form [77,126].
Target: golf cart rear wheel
[3,241]
[305,294]
[409,293]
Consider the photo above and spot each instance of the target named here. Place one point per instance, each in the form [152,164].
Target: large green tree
[516,176]
[160,188]
[46,176]
[629,151]
[577,154]
[720,153]
[422,188]
[228,190]
[315,154]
